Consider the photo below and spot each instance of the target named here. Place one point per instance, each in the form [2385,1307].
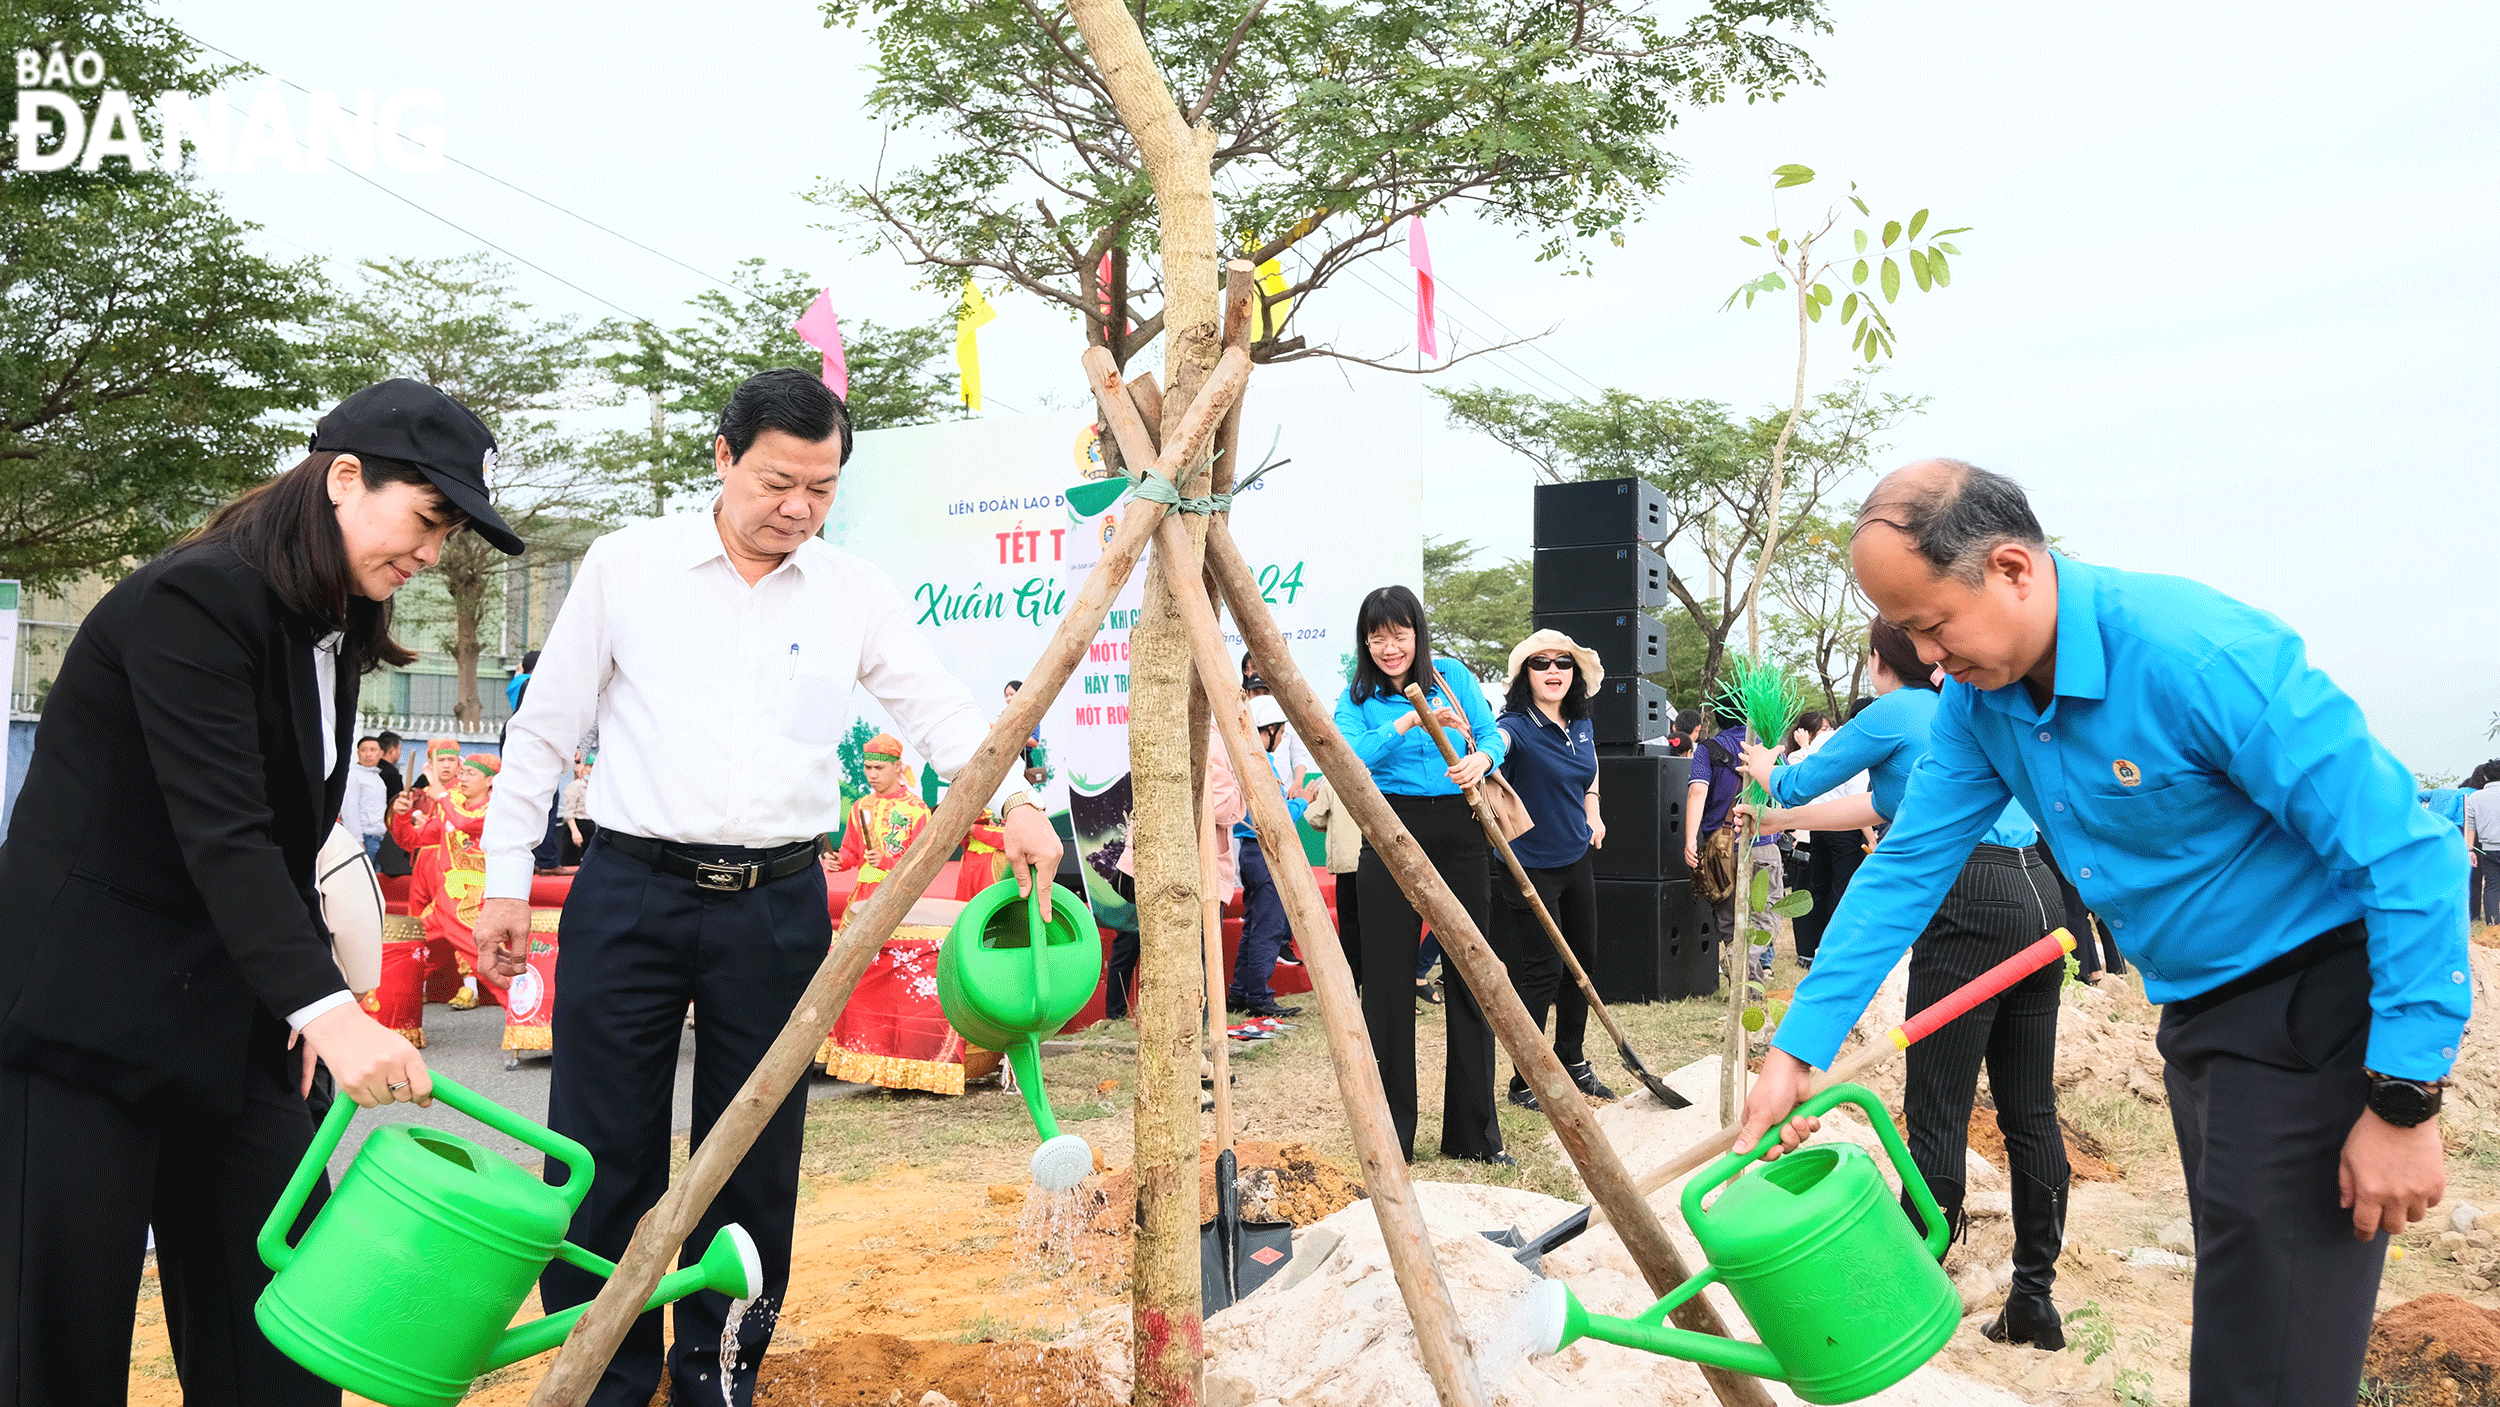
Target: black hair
[1954,520]
[787,399]
[368,738]
[1575,700]
[1016,684]
[1387,606]
[388,739]
[1688,720]
[1893,647]
[529,661]
[1810,722]
[288,531]
[1860,704]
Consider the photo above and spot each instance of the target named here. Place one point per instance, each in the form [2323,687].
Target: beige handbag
[1502,803]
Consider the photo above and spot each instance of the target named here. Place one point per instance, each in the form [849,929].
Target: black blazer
[157,913]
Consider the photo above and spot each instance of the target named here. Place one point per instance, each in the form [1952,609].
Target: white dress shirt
[325,662]
[718,704]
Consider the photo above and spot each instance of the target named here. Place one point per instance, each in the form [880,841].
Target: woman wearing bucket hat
[1552,764]
[163,948]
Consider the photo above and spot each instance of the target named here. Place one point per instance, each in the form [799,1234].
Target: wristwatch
[2404,1103]
[1023,797]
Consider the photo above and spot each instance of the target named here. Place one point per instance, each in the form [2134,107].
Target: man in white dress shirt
[716,654]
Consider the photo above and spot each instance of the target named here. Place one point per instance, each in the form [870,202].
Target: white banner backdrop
[972,520]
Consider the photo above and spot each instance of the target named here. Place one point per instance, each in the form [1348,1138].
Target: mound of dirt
[2436,1351]
[2084,1153]
[879,1370]
[1279,1182]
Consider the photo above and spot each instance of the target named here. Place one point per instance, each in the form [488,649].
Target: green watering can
[1010,972]
[1847,1298]
[403,1285]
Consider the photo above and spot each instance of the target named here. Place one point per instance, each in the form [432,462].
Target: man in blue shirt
[2259,855]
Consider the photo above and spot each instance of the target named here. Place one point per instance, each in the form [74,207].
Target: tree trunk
[1166,754]
[1739,963]
[468,602]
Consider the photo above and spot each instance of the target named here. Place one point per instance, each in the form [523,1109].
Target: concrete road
[468,1046]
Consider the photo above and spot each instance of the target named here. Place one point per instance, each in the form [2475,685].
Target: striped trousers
[2003,901]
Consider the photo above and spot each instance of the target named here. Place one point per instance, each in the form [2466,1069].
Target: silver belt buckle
[726,878]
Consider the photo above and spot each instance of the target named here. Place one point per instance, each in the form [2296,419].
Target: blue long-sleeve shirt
[1885,742]
[1407,763]
[1295,804]
[2447,803]
[2215,797]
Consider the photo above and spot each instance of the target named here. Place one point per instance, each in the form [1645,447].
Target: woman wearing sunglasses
[1551,761]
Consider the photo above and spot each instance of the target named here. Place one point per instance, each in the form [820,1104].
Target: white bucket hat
[1592,673]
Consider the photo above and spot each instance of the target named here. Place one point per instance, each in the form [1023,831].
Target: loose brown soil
[880,1370]
[2083,1151]
[2436,1351]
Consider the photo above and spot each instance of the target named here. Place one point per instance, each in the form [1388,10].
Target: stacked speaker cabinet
[1650,942]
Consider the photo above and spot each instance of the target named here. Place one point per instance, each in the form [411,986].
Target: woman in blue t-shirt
[1394,650]
[2004,900]
[1552,763]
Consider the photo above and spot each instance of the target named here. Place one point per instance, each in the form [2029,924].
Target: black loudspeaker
[1600,511]
[1703,962]
[1624,577]
[1642,798]
[1627,710]
[1647,935]
[1628,643]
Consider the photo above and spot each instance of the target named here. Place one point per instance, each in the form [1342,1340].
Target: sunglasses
[1541,663]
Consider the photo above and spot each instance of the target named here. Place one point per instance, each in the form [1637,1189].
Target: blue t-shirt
[1725,780]
[2447,803]
[1407,764]
[1551,766]
[1885,741]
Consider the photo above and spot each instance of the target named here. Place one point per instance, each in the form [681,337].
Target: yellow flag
[1271,283]
[976,311]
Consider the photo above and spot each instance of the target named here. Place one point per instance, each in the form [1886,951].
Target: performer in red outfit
[415,826]
[882,824]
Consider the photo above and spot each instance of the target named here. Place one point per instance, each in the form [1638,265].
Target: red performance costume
[449,836]
[399,1002]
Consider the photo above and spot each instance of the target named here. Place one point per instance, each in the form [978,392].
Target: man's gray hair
[1956,519]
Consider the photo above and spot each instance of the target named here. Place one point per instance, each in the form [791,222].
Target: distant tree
[1333,124]
[151,366]
[1817,625]
[1712,467]
[899,376]
[455,324]
[1477,613]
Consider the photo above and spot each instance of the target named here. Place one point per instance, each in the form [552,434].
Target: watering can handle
[276,1253]
[1037,910]
[1912,1180]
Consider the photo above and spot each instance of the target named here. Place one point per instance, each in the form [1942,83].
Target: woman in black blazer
[161,947]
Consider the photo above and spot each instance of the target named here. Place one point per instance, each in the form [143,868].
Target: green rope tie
[1154,488]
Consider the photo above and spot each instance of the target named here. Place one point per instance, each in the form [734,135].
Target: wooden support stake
[1610,1184]
[1738,960]
[1443,1345]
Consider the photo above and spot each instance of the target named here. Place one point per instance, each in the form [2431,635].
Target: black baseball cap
[419,426]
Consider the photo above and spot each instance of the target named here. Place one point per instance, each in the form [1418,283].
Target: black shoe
[2029,1315]
[1586,1080]
[1271,1009]
[1521,1095]
[1498,1160]
[1948,1194]
[1426,992]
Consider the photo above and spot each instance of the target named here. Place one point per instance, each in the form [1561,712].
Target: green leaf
[1749,239]
[1849,308]
[1794,905]
[1917,222]
[1957,229]
[1814,310]
[1752,1019]
[1892,231]
[1861,238]
[1853,200]
[1792,176]
[1858,274]
[1918,270]
[1936,266]
[1947,248]
[1761,891]
[1892,279]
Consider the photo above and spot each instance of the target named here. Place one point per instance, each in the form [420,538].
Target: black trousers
[2483,897]
[638,946]
[86,1175]
[2264,1089]
[1450,837]
[2003,901]
[1536,970]
[1350,923]
[1832,859]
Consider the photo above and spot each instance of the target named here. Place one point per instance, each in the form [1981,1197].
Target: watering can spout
[1561,1320]
[730,1266]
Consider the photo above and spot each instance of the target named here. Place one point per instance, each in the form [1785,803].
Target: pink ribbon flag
[1420,255]
[820,329]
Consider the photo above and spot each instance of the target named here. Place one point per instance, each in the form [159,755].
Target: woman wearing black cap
[161,947]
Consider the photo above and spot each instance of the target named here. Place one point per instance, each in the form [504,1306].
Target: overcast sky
[2227,308]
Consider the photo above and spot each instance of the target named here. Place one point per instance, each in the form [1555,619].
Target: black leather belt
[723,869]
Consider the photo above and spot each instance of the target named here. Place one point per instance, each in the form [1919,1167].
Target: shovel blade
[1657,1087]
